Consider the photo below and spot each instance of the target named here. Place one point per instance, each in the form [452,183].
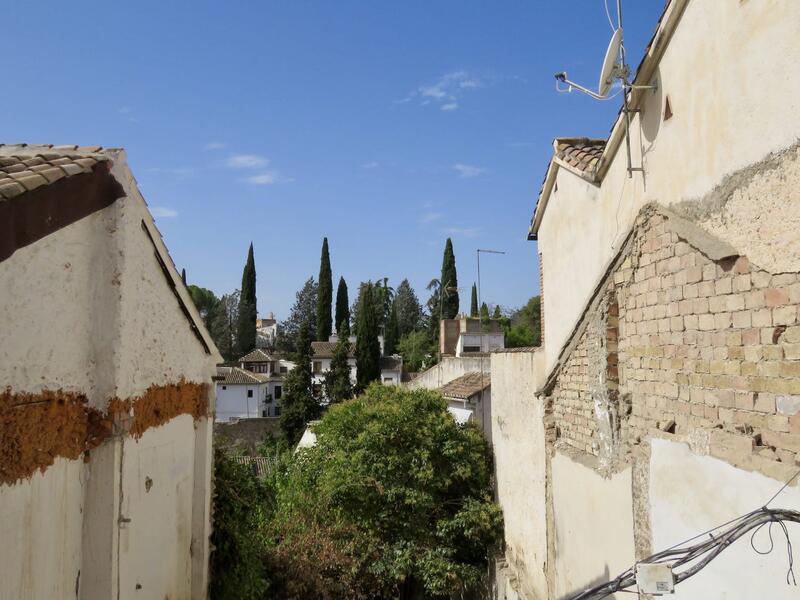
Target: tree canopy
[299,406]
[473,307]
[409,310]
[324,295]
[337,384]
[303,311]
[342,305]
[449,280]
[368,350]
[246,323]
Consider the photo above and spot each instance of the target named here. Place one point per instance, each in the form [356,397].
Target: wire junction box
[654,578]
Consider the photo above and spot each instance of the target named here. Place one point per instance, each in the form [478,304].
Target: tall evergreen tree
[338,386]
[449,281]
[303,311]
[342,305]
[392,334]
[473,309]
[497,312]
[298,405]
[223,320]
[183,276]
[484,312]
[246,324]
[324,295]
[368,349]
[409,311]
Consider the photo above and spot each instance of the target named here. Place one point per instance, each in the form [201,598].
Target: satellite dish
[609,71]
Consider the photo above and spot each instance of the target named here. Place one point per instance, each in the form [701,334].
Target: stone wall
[248,433]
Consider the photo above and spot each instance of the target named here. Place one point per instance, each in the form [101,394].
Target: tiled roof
[325,349]
[391,363]
[257,355]
[24,168]
[235,375]
[466,386]
[581,153]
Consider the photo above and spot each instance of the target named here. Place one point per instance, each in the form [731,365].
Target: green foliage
[242,506]
[498,313]
[473,308]
[524,328]
[246,323]
[183,276]
[205,301]
[324,295]
[338,387]
[409,310]
[395,496]
[415,348]
[449,280]
[392,332]
[303,311]
[223,321]
[299,406]
[342,304]
[382,297]
[484,312]
[368,350]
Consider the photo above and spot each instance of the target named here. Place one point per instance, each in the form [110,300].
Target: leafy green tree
[449,280]
[205,301]
[409,310]
[337,384]
[392,332]
[415,348]
[399,497]
[324,295]
[299,406]
[368,350]
[484,312]
[473,309]
[342,304]
[498,313]
[525,326]
[242,504]
[303,311]
[246,324]
[383,297]
[223,320]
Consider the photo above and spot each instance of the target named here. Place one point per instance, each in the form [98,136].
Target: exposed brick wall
[704,346]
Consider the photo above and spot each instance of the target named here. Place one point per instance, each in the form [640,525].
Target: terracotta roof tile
[581,153]
[24,168]
[237,376]
[257,355]
[325,349]
[466,386]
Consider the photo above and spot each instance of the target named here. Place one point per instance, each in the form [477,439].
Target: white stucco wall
[88,309]
[448,369]
[486,341]
[233,402]
[731,77]
[593,519]
[520,467]
[690,494]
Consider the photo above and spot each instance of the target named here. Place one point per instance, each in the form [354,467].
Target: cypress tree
[449,280]
[392,335]
[246,322]
[338,386]
[368,349]
[497,314]
[298,404]
[324,295]
[484,312]
[183,276]
[473,309]
[342,305]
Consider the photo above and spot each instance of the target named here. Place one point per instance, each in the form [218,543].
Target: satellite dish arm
[562,78]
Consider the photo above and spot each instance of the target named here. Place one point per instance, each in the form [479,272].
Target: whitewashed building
[469,399]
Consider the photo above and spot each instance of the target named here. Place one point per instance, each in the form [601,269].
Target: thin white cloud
[463,231]
[445,91]
[266,178]
[468,171]
[370,165]
[246,161]
[430,217]
[215,146]
[162,212]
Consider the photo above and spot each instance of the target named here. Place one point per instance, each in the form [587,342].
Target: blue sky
[386,126]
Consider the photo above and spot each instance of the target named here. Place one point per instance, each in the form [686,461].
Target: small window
[265,413]
[317,366]
[284,369]
[388,379]
[472,348]
[249,393]
[224,387]
[278,392]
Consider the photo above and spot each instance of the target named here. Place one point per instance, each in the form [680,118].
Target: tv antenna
[614,69]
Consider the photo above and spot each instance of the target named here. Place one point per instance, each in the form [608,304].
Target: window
[317,366]
[388,379]
[249,393]
[284,369]
[278,392]
[472,348]
[265,413]
[224,387]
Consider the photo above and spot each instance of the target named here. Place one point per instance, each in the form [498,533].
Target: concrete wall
[723,122]
[690,494]
[448,369]
[89,310]
[593,525]
[518,439]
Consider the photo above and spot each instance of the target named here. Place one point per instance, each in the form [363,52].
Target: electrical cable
[608,14]
[686,561]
